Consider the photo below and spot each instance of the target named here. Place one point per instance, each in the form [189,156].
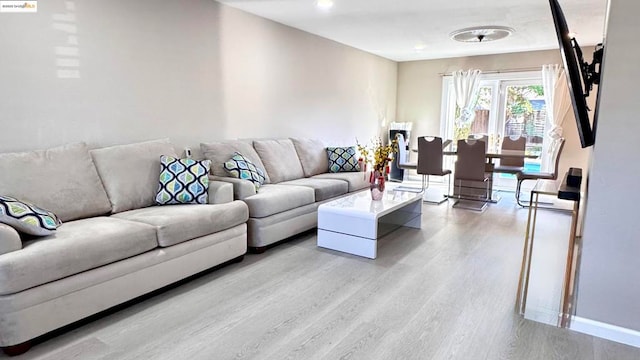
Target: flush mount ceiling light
[481,33]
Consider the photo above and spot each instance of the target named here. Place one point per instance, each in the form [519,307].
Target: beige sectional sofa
[113,245]
[297,181]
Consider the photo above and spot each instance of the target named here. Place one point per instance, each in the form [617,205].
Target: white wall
[420,93]
[609,283]
[194,71]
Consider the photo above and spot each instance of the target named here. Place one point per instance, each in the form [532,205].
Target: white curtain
[550,76]
[561,105]
[466,85]
[556,97]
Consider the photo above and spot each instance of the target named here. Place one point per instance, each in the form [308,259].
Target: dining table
[492,154]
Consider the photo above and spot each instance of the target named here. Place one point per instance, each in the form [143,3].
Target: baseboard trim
[541,315]
[606,331]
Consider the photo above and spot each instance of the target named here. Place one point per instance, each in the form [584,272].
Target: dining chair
[515,164]
[402,162]
[483,138]
[403,155]
[430,163]
[527,175]
[470,168]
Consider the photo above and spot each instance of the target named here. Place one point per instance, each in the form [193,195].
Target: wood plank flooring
[446,291]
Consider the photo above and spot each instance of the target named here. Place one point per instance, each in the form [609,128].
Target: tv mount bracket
[590,72]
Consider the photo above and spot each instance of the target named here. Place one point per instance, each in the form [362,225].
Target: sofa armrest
[241,188]
[220,192]
[9,239]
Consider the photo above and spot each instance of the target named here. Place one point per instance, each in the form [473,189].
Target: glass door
[509,104]
[524,114]
[485,115]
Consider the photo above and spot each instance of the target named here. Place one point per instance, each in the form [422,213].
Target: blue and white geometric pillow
[343,159]
[242,168]
[183,181]
[27,218]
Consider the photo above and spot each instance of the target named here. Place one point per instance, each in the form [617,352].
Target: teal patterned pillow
[27,218]
[183,181]
[240,167]
[343,159]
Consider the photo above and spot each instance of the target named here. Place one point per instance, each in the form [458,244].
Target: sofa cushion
[343,159]
[276,198]
[280,159]
[9,239]
[26,217]
[357,180]
[221,152]
[178,223]
[130,173]
[63,180]
[240,167]
[75,247]
[324,188]
[183,181]
[312,155]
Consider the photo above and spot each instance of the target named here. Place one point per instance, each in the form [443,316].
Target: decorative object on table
[377,185]
[26,217]
[183,181]
[379,157]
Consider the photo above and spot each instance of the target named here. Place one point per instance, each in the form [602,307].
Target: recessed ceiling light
[419,47]
[324,4]
[482,33]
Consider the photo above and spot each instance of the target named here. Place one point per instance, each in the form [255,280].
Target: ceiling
[405,30]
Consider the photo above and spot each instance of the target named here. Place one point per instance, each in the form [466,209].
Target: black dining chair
[470,170]
[483,138]
[512,165]
[402,162]
[430,163]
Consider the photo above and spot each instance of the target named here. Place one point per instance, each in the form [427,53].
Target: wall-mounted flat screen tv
[578,72]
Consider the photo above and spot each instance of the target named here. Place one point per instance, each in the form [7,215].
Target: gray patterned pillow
[183,181]
[26,217]
[343,159]
[242,168]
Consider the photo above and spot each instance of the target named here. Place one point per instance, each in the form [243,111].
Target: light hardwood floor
[446,291]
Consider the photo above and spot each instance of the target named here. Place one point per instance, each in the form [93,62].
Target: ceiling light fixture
[481,33]
[419,47]
[324,4]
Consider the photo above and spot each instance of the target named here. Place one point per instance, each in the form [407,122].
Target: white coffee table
[354,223]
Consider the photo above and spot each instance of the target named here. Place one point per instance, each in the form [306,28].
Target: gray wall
[609,287]
[110,72]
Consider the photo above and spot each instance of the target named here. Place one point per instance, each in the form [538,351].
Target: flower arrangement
[377,154]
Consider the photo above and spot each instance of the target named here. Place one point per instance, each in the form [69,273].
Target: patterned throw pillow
[183,181]
[27,218]
[343,159]
[240,167]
